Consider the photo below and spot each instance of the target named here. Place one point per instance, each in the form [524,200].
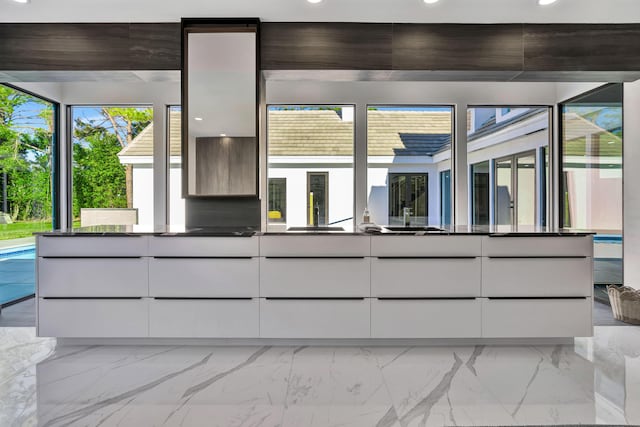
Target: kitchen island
[463,282]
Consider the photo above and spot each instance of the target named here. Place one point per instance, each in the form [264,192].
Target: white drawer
[203,246]
[85,246]
[314,245]
[429,245]
[87,318]
[542,318]
[425,318]
[319,277]
[93,277]
[314,318]
[427,277]
[203,278]
[537,277]
[204,318]
[546,246]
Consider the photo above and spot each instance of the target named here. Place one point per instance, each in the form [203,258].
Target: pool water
[17,273]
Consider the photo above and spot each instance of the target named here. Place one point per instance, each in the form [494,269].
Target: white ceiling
[450,11]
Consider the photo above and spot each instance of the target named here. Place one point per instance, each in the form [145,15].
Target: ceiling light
[198,119]
[545,2]
[21,1]
[223,134]
[431,1]
[314,1]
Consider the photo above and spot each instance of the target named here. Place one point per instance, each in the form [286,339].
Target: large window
[28,129]
[508,165]
[310,166]
[112,165]
[409,164]
[591,174]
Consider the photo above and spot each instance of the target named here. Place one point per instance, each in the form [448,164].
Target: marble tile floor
[594,381]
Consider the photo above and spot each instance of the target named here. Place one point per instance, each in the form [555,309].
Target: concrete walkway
[12,243]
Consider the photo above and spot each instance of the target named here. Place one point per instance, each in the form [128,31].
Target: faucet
[406,215]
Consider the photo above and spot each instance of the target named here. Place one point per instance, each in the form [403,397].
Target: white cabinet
[426,246]
[203,246]
[86,246]
[93,277]
[426,277]
[544,317]
[87,318]
[204,318]
[537,246]
[315,277]
[203,277]
[415,318]
[315,246]
[537,277]
[314,318]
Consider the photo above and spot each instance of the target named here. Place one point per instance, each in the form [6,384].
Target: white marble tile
[595,381]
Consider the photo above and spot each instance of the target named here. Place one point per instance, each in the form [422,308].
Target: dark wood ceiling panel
[329,46]
[576,47]
[64,46]
[457,47]
[119,46]
[155,45]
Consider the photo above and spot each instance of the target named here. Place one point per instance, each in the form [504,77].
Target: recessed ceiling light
[21,1]
[198,119]
[545,2]
[314,1]
[223,134]
[431,1]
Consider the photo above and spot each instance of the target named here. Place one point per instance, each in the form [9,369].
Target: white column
[631,176]
[360,162]
[459,166]
[160,164]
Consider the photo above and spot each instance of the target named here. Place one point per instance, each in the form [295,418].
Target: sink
[412,228]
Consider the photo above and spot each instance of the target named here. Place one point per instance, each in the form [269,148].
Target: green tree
[98,175]
[25,153]
[119,124]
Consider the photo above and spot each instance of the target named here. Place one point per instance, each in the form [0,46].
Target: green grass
[21,229]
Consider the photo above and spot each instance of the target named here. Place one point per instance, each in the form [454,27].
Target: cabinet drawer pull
[314,299]
[426,257]
[314,257]
[203,298]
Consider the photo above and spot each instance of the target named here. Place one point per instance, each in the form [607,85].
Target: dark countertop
[138,230]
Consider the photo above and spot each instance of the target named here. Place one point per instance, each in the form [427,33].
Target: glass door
[504,191]
[526,189]
[317,198]
[516,190]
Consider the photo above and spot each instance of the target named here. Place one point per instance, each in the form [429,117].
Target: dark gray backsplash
[223,212]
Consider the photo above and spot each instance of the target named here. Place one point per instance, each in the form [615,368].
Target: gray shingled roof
[324,133]
[142,144]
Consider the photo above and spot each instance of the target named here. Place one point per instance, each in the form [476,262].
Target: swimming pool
[19,252]
[17,273]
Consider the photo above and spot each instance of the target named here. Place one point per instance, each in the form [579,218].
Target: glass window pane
[445,197]
[480,193]
[310,147]
[112,165]
[508,138]
[27,134]
[592,175]
[408,153]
